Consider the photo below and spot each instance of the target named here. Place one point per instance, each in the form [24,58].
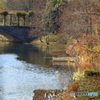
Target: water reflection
[28,53]
[19,77]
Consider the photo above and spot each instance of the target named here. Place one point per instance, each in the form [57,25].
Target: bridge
[16,33]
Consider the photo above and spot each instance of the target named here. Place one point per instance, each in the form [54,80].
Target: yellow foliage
[78,75]
[85,58]
[96,48]
[2,4]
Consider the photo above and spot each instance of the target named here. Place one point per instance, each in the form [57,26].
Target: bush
[4,12]
[78,75]
[54,38]
[20,13]
[30,13]
[62,41]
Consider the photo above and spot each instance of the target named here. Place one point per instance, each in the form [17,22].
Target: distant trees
[36,19]
[30,13]
[2,4]
[16,14]
[58,16]
[79,17]
[52,14]
[19,5]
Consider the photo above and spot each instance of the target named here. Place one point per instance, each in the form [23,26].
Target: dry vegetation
[68,20]
[86,78]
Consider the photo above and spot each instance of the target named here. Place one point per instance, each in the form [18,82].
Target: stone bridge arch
[16,34]
[7,37]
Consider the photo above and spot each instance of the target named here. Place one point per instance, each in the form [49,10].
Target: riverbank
[86,78]
[87,75]
[54,46]
[88,85]
[50,40]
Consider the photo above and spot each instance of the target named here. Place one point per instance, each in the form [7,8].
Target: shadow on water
[32,54]
[28,53]
[31,70]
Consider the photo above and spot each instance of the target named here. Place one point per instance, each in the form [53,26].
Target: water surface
[23,68]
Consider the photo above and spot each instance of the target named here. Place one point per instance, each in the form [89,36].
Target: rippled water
[19,77]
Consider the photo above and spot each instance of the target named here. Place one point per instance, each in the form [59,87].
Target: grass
[90,84]
[85,85]
[52,39]
[87,76]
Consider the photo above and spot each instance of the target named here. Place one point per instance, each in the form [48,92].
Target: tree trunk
[41,39]
[47,40]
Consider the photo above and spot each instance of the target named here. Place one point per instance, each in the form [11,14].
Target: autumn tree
[79,16]
[52,14]
[36,18]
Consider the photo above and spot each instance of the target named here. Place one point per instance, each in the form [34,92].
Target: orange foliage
[89,36]
[80,48]
[87,20]
[73,87]
[84,66]
[94,22]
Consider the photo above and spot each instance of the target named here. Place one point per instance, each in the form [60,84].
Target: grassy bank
[84,85]
[87,77]
[50,40]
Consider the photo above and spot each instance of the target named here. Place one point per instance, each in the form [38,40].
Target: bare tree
[78,17]
[19,5]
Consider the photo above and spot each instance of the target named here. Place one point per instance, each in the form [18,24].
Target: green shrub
[62,41]
[4,12]
[54,38]
[20,13]
[30,13]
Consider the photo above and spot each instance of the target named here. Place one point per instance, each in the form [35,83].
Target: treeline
[16,4]
[81,16]
[69,17]
[59,16]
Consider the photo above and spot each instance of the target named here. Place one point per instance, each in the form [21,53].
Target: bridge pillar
[10,19]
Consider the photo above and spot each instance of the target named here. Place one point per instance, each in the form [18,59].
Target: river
[24,68]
